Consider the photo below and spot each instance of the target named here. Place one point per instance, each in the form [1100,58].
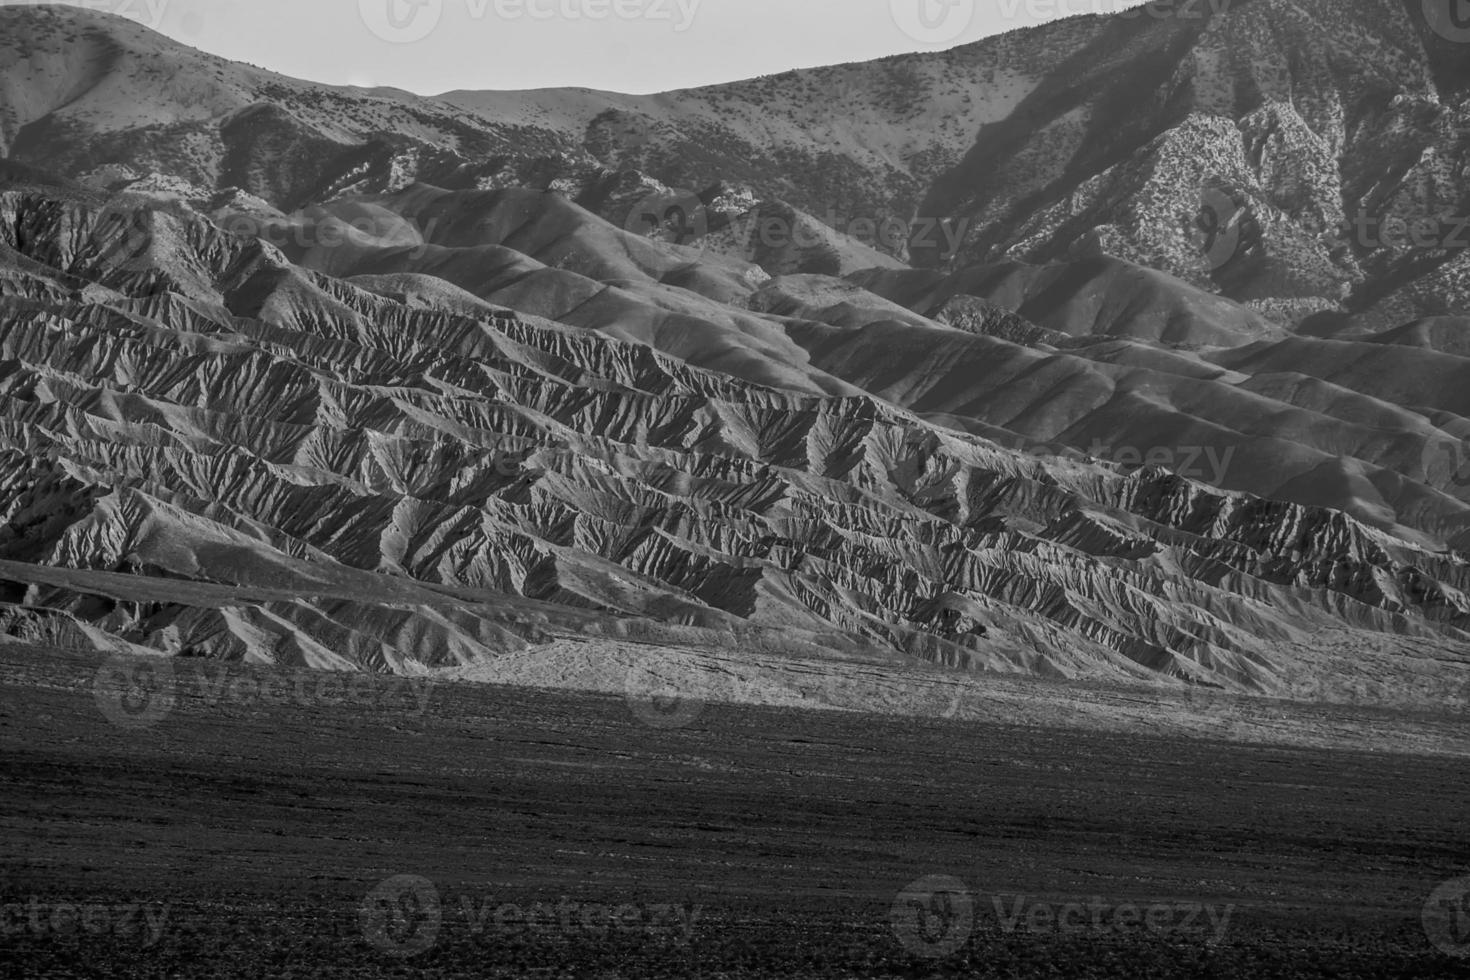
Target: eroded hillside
[185,405]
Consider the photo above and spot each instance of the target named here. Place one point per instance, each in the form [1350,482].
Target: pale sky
[433,46]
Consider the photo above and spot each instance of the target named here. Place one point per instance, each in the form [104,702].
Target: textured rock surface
[352,378]
[191,409]
[1262,148]
[1277,151]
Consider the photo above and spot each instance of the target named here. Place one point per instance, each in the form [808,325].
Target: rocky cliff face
[314,471]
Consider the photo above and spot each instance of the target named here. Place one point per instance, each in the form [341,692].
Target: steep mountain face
[844,143]
[217,416]
[83,93]
[87,94]
[1304,156]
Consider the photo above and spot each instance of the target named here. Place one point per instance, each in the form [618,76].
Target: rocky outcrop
[1301,156]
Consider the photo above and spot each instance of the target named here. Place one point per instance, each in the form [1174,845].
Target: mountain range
[1127,348]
